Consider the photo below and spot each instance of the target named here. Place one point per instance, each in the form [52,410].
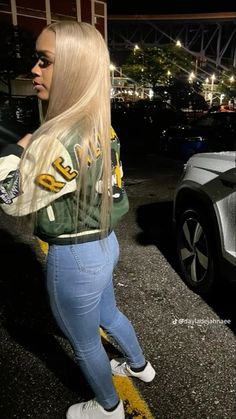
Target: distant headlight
[190,139]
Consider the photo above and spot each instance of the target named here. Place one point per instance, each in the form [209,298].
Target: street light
[212,88]
[213,77]
[232,80]
[168,77]
[206,88]
[191,77]
[178,43]
[112,70]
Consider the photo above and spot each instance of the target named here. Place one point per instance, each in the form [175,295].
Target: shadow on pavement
[26,315]
[155,221]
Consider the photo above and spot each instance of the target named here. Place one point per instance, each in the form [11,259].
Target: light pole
[206,89]
[212,88]
[221,98]
[231,101]
[112,70]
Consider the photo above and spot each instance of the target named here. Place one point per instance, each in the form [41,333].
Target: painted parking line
[43,246]
[135,406]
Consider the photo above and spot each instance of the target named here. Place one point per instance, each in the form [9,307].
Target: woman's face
[43,69]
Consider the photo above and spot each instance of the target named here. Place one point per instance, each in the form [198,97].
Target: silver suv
[205,220]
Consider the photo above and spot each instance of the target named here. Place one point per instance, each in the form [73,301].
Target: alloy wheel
[194,251]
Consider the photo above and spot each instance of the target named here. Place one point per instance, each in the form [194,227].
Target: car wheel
[196,252]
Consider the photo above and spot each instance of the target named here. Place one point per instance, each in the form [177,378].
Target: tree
[16,52]
[157,65]
[186,95]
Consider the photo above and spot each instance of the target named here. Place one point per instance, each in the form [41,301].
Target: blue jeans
[79,282]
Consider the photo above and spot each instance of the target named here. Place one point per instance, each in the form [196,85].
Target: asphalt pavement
[191,348]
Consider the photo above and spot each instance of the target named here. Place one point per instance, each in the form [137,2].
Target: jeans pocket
[91,257]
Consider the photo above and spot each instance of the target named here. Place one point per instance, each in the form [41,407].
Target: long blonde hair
[80,100]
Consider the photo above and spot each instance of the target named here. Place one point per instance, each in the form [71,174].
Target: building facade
[34,15]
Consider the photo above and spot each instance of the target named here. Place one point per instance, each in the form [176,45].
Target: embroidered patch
[10,187]
[49,182]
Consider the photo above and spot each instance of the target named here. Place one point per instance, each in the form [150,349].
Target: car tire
[196,251]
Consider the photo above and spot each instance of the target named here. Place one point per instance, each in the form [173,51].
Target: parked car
[210,133]
[205,220]
[143,120]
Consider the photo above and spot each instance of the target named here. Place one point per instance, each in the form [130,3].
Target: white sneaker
[93,410]
[123,369]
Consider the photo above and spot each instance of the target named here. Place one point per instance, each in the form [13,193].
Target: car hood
[220,162]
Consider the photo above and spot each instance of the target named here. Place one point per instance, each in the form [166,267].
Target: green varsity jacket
[59,216]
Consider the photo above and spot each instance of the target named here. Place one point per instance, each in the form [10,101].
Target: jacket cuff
[15,149]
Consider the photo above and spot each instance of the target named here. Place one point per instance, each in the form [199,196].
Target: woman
[68,175]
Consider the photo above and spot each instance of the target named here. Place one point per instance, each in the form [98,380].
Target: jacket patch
[117,175]
[49,182]
[10,187]
[94,154]
[65,171]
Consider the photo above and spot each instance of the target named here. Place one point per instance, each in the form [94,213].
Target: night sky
[169,6]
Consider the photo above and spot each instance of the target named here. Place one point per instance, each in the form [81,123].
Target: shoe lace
[91,404]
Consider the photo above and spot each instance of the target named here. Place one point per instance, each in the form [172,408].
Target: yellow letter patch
[49,182]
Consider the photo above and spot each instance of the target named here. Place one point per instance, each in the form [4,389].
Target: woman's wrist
[23,142]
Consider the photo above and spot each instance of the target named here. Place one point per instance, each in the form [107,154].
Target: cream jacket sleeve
[26,188]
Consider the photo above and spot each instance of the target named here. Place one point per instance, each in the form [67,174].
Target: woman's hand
[23,142]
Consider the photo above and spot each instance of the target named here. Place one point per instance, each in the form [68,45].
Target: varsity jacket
[60,218]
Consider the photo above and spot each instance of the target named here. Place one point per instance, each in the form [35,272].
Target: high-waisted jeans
[79,282]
